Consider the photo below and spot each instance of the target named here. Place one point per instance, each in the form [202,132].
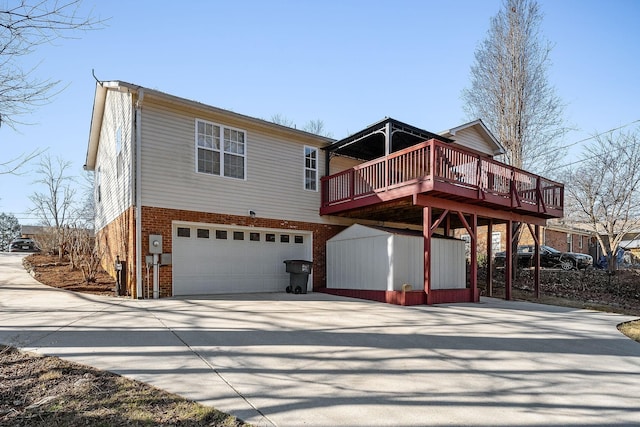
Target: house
[32,231]
[194,199]
[557,235]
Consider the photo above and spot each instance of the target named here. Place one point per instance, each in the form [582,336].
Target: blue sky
[349,63]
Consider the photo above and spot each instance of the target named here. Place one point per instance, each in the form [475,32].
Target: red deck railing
[458,170]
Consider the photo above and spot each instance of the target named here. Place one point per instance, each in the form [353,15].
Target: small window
[298,239]
[119,160]
[580,242]
[284,238]
[254,237]
[98,177]
[221,234]
[311,168]
[118,140]
[184,232]
[238,235]
[269,237]
[203,233]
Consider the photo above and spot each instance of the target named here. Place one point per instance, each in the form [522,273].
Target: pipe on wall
[138,191]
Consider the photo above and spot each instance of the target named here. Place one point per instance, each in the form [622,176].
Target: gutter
[138,194]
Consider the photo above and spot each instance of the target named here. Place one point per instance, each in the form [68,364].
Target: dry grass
[631,329]
[47,391]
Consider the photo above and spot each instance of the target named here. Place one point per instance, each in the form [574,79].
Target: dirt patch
[47,391]
[594,289]
[53,271]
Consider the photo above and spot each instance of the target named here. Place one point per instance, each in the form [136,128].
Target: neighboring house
[558,236]
[194,199]
[32,231]
[561,237]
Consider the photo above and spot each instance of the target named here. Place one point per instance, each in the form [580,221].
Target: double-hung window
[311,168]
[220,150]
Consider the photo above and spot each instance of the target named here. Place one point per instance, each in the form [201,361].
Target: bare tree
[317,127]
[12,166]
[54,206]
[511,93]
[604,191]
[25,25]
[86,210]
[510,90]
[83,252]
[282,120]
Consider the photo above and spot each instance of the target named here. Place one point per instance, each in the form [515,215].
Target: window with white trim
[98,184]
[220,150]
[311,168]
[119,159]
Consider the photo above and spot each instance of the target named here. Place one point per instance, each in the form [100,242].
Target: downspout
[138,235]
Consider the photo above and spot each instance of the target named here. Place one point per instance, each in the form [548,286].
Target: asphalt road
[320,360]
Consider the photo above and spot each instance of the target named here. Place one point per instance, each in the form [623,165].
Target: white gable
[475,136]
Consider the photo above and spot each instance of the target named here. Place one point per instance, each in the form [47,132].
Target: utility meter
[155,243]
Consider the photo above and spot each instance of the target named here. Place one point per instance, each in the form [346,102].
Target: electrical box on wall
[165,259]
[155,243]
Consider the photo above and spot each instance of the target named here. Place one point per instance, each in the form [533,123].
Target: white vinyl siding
[113,181]
[273,171]
[340,163]
[362,257]
[472,139]
[311,168]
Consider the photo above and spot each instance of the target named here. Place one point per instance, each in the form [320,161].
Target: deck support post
[508,262]
[426,234]
[489,258]
[535,234]
[474,259]
[536,271]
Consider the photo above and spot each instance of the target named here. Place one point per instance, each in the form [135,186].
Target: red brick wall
[159,221]
[554,238]
[118,239]
[558,239]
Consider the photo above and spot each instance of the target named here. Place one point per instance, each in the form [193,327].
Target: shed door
[211,259]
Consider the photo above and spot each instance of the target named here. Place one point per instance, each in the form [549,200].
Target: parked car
[549,258]
[23,245]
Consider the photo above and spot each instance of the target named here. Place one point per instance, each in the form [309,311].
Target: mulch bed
[55,272]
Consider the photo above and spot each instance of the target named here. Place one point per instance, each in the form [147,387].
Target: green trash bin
[299,271]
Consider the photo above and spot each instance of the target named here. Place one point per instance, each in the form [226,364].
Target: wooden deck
[437,169]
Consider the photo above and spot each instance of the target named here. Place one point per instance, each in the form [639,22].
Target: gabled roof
[101,95]
[482,129]
[369,143]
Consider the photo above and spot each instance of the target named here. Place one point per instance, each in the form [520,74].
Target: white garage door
[215,259]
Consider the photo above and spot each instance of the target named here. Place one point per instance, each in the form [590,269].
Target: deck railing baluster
[434,160]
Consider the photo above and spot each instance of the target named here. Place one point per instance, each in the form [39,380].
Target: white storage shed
[384,259]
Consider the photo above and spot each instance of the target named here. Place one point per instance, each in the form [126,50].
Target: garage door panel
[213,265]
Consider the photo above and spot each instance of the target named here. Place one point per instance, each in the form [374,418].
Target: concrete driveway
[320,360]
